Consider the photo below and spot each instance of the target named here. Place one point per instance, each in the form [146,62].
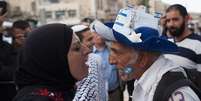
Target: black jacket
[7,67]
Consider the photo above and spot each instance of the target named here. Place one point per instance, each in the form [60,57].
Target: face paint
[128,70]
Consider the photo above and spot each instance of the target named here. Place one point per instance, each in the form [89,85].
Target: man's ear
[187,18]
[141,60]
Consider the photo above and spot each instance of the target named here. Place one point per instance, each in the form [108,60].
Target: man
[189,44]
[137,54]
[19,31]
[85,36]
[87,21]
[109,71]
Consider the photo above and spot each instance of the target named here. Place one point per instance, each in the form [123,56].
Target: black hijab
[44,58]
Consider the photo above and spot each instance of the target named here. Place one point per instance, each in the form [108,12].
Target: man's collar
[153,75]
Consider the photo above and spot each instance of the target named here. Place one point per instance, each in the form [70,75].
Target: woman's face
[77,59]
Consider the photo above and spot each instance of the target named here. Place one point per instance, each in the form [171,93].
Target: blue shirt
[109,71]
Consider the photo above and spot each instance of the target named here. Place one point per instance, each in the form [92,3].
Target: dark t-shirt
[7,68]
[6,61]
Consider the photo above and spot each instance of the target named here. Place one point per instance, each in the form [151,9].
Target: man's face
[175,23]
[97,39]
[122,56]
[87,41]
[20,35]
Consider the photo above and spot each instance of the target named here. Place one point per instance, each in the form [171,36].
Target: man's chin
[174,34]
[126,77]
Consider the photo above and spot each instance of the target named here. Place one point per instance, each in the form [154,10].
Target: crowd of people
[96,61]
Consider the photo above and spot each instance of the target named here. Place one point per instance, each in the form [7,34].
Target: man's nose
[170,23]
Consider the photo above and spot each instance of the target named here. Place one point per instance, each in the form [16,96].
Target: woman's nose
[86,49]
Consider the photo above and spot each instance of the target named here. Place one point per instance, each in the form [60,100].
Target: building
[66,11]
[58,11]
[22,8]
[157,6]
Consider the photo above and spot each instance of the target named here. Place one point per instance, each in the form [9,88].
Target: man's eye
[167,20]
[175,19]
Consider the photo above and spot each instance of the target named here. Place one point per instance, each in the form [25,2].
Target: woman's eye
[76,48]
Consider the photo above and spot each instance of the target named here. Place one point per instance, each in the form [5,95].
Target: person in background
[109,72]
[20,31]
[87,21]
[191,27]
[85,36]
[189,43]
[7,86]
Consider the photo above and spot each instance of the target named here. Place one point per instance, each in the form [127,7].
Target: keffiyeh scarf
[88,89]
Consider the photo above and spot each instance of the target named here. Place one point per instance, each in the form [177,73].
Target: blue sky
[191,5]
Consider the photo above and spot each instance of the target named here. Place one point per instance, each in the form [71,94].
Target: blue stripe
[120,24]
[125,15]
[158,13]
[109,24]
[189,54]
[156,16]
[93,27]
[199,59]
[195,37]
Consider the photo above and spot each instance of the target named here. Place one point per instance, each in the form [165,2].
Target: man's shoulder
[195,37]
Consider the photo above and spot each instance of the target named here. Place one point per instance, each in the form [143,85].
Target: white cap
[7,24]
[103,30]
[78,28]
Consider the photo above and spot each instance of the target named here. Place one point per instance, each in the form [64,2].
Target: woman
[52,61]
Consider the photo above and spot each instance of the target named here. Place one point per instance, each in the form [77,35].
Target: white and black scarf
[88,89]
